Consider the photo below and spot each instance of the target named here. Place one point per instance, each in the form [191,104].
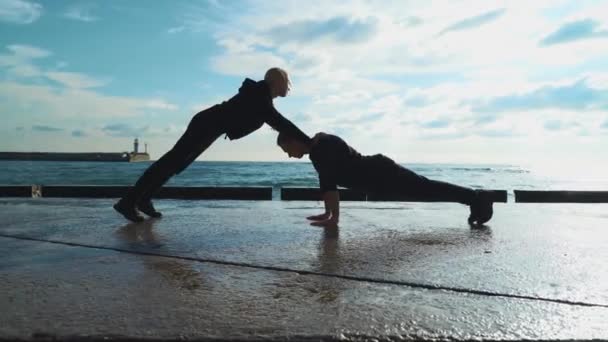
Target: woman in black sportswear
[241,115]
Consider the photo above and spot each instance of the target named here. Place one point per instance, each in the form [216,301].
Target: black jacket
[338,164]
[248,110]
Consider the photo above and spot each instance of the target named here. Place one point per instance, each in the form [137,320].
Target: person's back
[247,111]
[337,163]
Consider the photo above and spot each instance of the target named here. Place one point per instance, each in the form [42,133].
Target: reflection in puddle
[143,237]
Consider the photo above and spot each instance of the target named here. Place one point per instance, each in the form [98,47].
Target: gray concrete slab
[373,277]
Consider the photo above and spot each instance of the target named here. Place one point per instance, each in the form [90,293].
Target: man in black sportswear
[338,164]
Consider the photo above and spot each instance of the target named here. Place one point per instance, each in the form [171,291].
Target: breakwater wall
[285,194]
[77,156]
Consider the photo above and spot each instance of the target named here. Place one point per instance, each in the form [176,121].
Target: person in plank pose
[337,163]
[238,117]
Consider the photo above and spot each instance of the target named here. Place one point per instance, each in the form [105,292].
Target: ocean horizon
[286,173]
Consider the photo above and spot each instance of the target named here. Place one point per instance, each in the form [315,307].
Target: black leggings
[204,128]
[392,179]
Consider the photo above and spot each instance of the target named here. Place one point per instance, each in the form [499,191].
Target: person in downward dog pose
[241,115]
[337,163]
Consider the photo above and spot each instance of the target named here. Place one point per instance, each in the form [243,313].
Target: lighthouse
[136,156]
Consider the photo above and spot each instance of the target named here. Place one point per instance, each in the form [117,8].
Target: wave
[274,174]
[474,169]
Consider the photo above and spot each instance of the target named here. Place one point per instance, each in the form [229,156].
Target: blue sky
[515,82]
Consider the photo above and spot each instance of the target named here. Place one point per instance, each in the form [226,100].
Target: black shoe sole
[152,212]
[481,209]
[155,214]
[129,216]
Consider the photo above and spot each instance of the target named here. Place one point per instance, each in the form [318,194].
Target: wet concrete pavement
[248,270]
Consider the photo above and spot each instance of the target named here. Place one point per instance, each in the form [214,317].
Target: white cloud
[176,29]
[19,62]
[197,107]
[28,51]
[160,104]
[246,63]
[341,81]
[64,94]
[339,29]
[62,102]
[23,71]
[510,40]
[74,80]
[391,85]
[19,11]
[474,22]
[81,12]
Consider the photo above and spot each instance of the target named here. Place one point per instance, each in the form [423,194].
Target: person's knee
[173,156]
[166,163]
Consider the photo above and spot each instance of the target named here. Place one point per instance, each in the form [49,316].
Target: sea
[299,174]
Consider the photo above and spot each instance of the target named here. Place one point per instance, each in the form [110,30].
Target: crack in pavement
[315,273]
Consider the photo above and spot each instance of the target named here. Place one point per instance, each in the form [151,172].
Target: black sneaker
[472,216]
[147,208]
[481,208]
[128,211]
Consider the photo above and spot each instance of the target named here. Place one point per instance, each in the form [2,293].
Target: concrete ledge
[313,194]
[287,194]
[495,195]
[228,193]
[225,193]
[91,191]
[560,196]
[16,191]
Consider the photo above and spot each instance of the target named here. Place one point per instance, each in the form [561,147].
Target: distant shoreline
[76,156]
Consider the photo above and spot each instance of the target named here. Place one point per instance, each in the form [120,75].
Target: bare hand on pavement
[319,217]
[325,223]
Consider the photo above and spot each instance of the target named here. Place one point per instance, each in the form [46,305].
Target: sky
[487,82]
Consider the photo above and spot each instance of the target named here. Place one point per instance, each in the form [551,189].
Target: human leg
[398,180]
[202,131]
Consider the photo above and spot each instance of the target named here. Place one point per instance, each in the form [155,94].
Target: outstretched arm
[325,215]
[277,121]
[331,217]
